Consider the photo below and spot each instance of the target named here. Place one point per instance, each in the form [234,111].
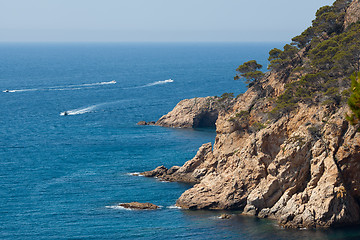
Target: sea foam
[118,207]
[173,207]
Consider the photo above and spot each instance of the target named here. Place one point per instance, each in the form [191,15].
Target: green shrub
[354,99]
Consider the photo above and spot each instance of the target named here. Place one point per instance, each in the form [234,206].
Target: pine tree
[354,100]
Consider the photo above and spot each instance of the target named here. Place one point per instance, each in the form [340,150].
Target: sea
[62,175]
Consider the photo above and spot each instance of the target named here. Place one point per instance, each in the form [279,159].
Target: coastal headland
[284,149]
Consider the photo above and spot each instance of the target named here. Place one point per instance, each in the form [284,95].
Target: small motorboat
[6,90]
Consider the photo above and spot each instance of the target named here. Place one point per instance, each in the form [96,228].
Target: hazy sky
[155,20]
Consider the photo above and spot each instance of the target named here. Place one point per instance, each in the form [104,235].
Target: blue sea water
[61,177]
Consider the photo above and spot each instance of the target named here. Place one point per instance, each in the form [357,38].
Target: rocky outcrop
[352,13]
[144,123]
[193,113]
[300,167]
[225,216]
[302,170]
[191,172]
[139,206]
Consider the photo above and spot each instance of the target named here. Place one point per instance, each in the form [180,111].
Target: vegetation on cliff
[250,71]
[299,167]
[317,65]
[354,100]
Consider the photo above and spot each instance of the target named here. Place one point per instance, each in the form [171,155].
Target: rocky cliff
[301,167]
[194,113]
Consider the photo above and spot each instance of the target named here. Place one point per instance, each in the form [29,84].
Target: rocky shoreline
[300,168]
[193,113]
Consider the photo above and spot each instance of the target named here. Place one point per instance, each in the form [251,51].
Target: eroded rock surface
[191,172]
[353,13]
[301,167]
[193,113]
[139,206]
[302,170]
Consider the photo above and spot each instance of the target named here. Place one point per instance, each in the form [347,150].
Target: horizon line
[7,42]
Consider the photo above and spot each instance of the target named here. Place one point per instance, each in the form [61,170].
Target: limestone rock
[194,113]
[139,206]
[146,123]
[191,172]
[301,168]
[225,216]
[352,13]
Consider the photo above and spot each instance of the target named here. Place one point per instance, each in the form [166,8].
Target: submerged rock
[141,206]
[225,216]
[146,123]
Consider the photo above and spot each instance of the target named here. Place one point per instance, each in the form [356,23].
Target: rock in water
[191,172]
[140,206]
[225,216]
[193,113]
[146,123]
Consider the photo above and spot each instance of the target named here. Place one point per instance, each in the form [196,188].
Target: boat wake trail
[158,83]
[89,109]
[79,111]
[62,88]
[152,84]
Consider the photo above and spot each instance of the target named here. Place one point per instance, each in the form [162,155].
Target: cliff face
[353,13]
[301,168]
[194,113]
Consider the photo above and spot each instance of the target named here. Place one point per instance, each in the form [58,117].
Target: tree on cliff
[354,100]
[278,59]
[250,71]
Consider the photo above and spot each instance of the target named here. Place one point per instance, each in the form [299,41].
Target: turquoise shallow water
[62,176]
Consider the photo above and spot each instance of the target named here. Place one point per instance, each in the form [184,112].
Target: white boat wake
[158,83]
[62,88]
[89,109]
[79,111]
[152,84]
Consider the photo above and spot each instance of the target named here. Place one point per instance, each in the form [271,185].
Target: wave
[174,207]
[118,207]
[62,88]
[135,174]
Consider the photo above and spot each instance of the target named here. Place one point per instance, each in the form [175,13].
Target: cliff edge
[199,112]
[282,152]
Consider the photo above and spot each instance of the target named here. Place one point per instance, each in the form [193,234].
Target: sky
[155,20]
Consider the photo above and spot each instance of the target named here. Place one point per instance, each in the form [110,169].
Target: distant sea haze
[63,175]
